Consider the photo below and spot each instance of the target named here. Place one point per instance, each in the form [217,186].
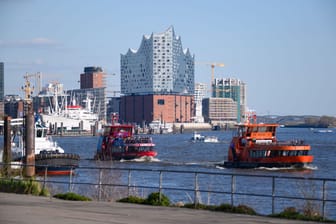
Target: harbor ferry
[119,142]
[255,145]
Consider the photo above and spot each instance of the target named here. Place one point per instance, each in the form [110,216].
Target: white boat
[157,127]
[212,139]
[70,117]
[47,153]
[200,138]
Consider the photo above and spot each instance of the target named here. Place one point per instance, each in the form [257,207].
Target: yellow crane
[213,65]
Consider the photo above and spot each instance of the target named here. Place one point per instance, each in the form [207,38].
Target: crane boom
[213,65]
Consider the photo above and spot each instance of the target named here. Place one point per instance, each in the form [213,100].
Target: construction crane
[213,65]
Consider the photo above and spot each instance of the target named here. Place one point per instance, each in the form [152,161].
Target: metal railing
[232,185]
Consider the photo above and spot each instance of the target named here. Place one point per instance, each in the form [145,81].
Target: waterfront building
[200,93]
[234,89]
[157,80]
[219,110]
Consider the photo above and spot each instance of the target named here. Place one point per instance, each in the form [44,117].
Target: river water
[177,152]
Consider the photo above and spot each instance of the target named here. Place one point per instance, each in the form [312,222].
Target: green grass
[18,186]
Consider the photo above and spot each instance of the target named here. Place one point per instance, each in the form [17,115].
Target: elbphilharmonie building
[160,65]
[157,80]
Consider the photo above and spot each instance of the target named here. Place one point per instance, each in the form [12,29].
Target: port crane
[213,65]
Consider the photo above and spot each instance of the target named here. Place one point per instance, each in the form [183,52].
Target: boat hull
[249,165]
[56,163]
[126,155]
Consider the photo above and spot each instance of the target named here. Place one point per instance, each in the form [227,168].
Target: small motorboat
[200,138]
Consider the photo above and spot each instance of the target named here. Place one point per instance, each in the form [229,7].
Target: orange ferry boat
[256,145]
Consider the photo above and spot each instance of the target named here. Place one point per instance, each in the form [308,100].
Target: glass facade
[159,66]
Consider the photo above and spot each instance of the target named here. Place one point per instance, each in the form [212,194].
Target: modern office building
[234,89]
[93,77]
[157,80]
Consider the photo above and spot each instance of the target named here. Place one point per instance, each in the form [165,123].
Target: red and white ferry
[119,142]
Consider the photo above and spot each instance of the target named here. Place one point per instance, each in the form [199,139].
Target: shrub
[132,199]
[72,197]
[292,213]
[243,209]
[154,199]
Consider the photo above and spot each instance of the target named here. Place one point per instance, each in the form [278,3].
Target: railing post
[160,186]
[273,193]
[100,184]
[196,190]
[129,182]
[45,176]
[233,188]
[324,198]
[70,180]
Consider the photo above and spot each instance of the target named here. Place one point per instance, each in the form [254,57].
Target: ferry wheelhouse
[256,145]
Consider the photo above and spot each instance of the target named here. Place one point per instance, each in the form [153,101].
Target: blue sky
[284,50]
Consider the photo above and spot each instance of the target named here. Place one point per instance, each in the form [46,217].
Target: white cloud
[38,41]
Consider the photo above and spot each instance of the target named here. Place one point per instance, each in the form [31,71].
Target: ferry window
[161,101]
[39,133]
[262,129]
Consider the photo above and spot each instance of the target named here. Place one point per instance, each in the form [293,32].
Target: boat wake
[142,159]
[306,167]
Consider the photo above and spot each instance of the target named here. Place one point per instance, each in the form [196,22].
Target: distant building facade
[219,110]
[112,107]
[231,88]
[161,72]
[93,77]
[2,81]
[200,93]
[13,106]
[2,87]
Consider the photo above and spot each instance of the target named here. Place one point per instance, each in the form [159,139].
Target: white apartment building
[159,66]
[200,93]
